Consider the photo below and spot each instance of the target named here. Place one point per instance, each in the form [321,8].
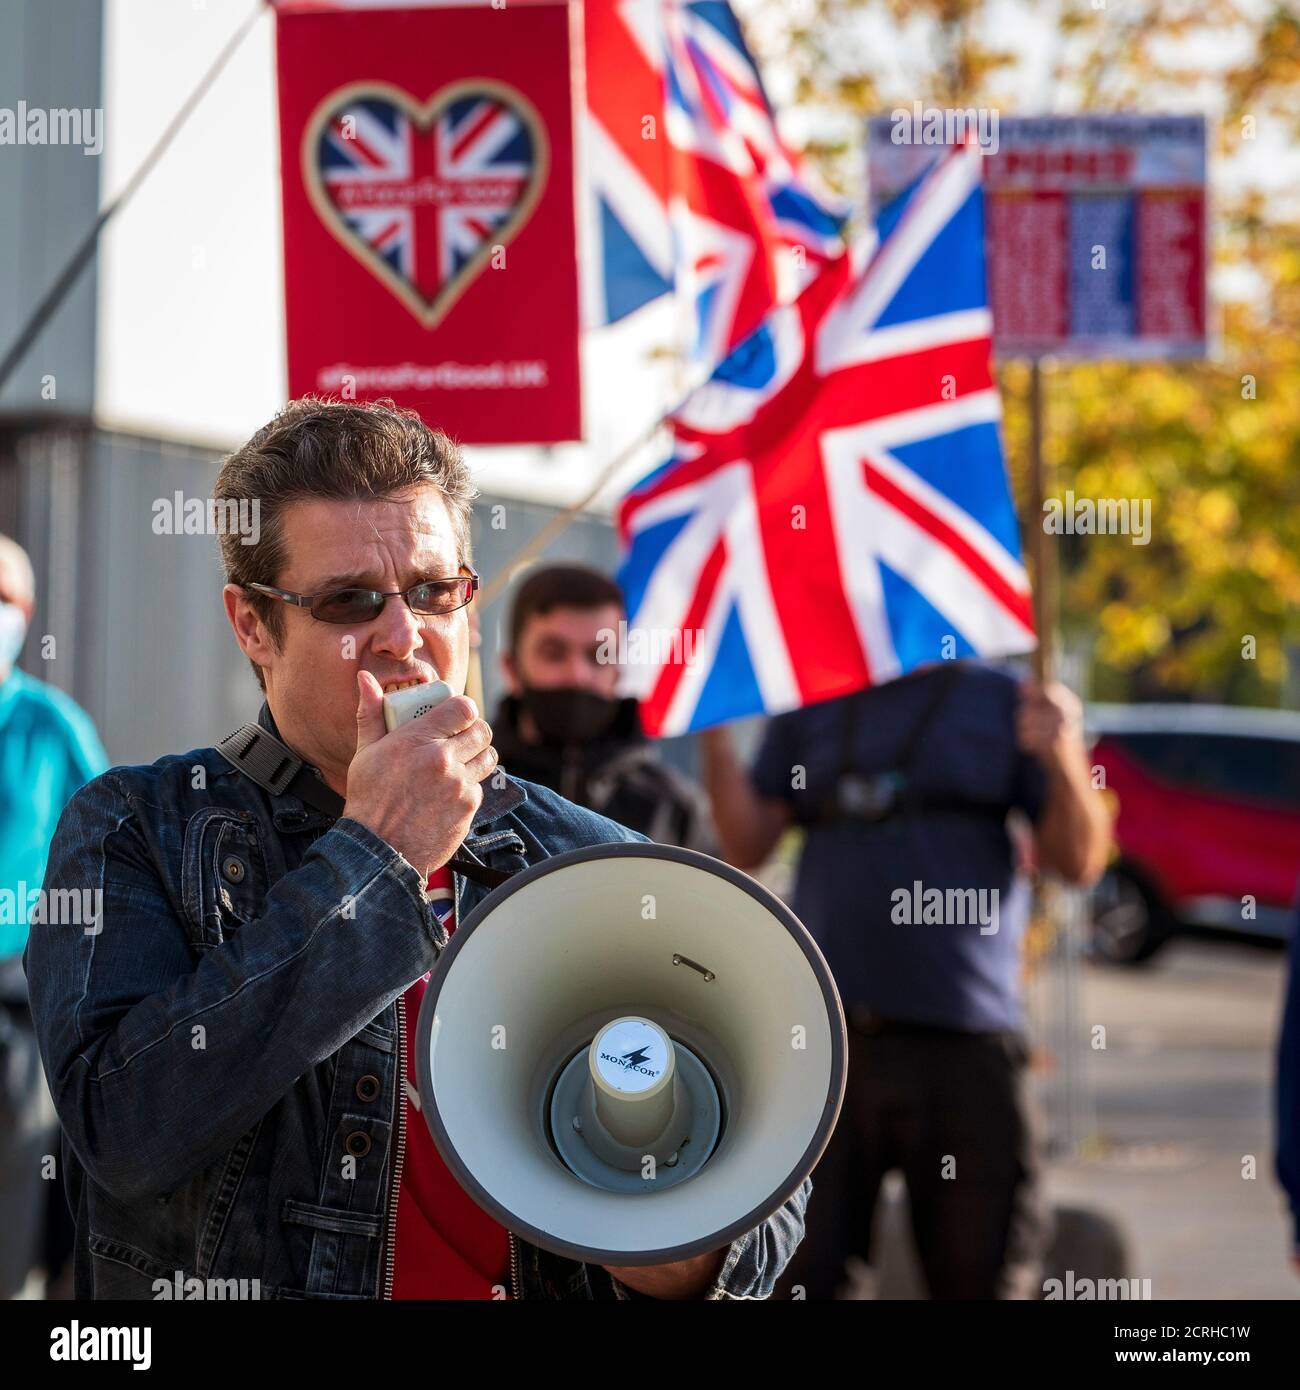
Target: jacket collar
[500,795]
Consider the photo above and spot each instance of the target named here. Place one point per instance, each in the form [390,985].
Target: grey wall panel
[161,671]
[51,479]
[50,58]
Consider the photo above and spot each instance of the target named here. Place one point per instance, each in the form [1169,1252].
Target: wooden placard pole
[1044,555]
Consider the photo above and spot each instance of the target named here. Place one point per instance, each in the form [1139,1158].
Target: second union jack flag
[692,187]
[836,509]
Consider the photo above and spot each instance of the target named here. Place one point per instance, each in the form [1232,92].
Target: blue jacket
[212,1043]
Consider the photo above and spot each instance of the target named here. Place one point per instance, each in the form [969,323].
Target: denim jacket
[226,1031]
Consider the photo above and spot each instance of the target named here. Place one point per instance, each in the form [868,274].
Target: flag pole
[1062,907]
[1044,555]
[560,522]
[562,519]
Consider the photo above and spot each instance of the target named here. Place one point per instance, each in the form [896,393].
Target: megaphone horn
[631,1054]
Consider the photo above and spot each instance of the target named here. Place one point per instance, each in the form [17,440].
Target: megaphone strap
[466,862]
[263,759]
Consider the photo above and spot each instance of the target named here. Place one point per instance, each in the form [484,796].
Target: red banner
[429,234]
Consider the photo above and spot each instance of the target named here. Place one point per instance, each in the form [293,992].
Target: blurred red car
[1208,828]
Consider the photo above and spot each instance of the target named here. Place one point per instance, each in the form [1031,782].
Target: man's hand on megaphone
[418,787]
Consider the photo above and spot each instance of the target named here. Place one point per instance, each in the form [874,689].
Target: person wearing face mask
[48,748]
[563,723]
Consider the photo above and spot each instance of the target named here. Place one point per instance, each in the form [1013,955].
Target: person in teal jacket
[48,748]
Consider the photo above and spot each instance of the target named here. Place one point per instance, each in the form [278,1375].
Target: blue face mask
[13,630]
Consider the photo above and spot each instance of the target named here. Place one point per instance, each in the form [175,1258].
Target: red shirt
[446,1246]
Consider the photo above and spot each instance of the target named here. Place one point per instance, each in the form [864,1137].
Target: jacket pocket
[223,874]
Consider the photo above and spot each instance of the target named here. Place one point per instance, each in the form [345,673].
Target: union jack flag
[707,199]
[427,200]
[836,505]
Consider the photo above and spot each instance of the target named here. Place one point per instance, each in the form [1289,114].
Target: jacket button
[357,1143]
[233,869]
[368,1088]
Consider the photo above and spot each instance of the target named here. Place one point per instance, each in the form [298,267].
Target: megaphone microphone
[400,706]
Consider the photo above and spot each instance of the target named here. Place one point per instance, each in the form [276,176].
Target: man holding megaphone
[232,1048]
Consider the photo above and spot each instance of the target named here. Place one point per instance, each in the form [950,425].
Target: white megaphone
[631,1054]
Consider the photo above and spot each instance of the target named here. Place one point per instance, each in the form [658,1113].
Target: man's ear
[250,631]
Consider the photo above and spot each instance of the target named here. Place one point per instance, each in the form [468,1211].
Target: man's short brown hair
[326,448]
[560,586]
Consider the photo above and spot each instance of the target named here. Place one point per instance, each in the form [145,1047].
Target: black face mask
[567,716]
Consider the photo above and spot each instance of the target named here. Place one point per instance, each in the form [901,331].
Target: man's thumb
[370,710]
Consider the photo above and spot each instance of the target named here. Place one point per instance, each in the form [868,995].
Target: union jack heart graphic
[422,194]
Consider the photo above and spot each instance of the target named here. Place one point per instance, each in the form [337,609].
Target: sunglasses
[433,598]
